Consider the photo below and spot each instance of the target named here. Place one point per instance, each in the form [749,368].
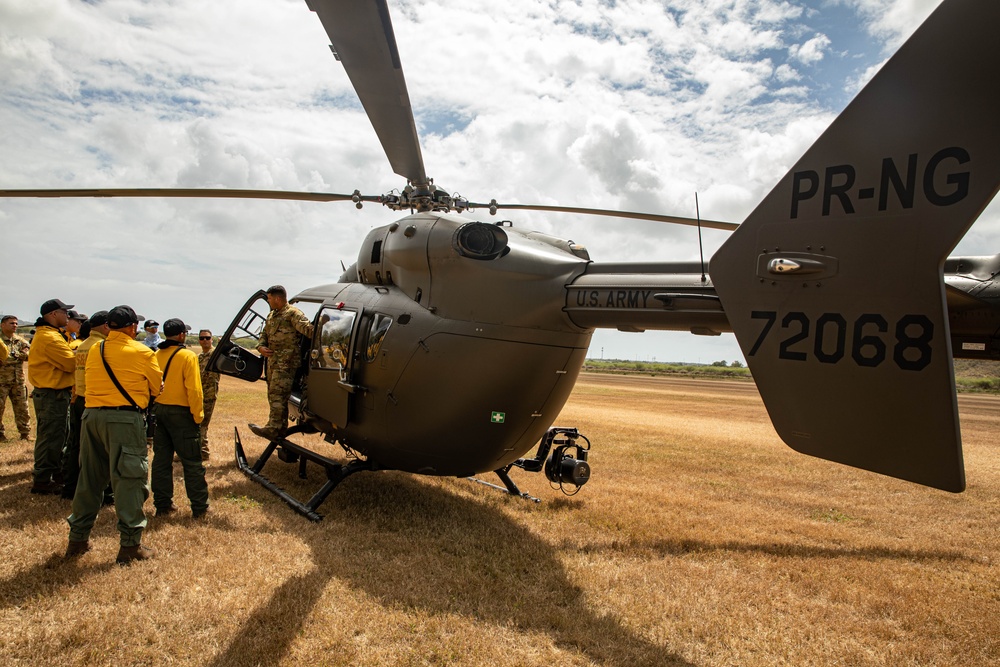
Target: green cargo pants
[51,431]
[176,433]
[112,446]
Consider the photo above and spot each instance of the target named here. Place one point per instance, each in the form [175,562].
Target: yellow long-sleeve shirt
[182,386]
[3,351]
[50,360]
[81,353]
[134,365]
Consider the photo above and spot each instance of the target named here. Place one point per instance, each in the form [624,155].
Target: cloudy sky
[634,105]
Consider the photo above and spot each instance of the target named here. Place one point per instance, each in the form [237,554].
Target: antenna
[701,250]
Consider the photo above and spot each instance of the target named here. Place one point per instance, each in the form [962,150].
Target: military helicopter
[452,343]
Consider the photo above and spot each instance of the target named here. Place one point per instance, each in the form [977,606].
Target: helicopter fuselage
[451,346]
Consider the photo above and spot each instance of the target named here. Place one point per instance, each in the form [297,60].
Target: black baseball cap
[53,305]
[150,324]
[174,326]
[73,315]
[120,317]
[98,319]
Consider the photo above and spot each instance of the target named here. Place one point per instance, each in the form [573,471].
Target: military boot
[264,431]
[47,488]
[75,549]
[164,511]
[128,554]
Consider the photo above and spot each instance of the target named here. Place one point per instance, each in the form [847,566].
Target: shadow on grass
[414,546]
[675,547]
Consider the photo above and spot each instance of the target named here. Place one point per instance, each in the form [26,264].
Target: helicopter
[451,345]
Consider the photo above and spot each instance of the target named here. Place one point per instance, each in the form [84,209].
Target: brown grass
[700,540]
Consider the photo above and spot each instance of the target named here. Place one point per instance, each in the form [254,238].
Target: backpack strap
[166,369]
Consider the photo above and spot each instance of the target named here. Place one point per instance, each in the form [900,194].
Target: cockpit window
[380,325]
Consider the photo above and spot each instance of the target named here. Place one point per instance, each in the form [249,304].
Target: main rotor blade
[711,224]
[363,41]
[201,193]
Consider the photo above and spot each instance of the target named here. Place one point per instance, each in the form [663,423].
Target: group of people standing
[102,398]
[94,386]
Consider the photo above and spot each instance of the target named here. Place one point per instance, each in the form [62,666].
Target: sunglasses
[204,338]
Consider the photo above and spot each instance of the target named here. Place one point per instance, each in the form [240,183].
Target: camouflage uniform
[281,333]
[210,389]
[12,384]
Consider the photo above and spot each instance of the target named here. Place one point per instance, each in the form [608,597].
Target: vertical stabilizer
[833,285]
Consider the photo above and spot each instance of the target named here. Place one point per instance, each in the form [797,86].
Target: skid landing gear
[508,484]
[290,452]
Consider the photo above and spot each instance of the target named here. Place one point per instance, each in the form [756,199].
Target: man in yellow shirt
[51,365]
[122,376]
[179,411]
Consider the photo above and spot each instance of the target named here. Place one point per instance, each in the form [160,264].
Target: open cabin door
[332,364]
[236,353]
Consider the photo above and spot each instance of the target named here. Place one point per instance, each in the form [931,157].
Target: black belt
[118,407]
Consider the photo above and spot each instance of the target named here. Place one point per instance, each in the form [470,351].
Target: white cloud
[811,51]
[894,21]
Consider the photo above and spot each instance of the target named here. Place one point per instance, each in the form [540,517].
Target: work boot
[164,511]
[139,552]
[25,436]
[200,515]
[74,549]
[264,431]
[47,488]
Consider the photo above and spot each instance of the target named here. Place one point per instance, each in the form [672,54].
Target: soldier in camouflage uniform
[12,377]
[209,387]
[280,344]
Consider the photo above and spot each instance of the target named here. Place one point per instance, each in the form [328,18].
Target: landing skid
[290,452]
[508,484]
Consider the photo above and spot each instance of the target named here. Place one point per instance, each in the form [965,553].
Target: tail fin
[833,285]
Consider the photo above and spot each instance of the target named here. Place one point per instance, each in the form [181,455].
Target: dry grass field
[701,540]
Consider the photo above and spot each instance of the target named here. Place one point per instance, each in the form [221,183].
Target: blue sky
[634,105]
